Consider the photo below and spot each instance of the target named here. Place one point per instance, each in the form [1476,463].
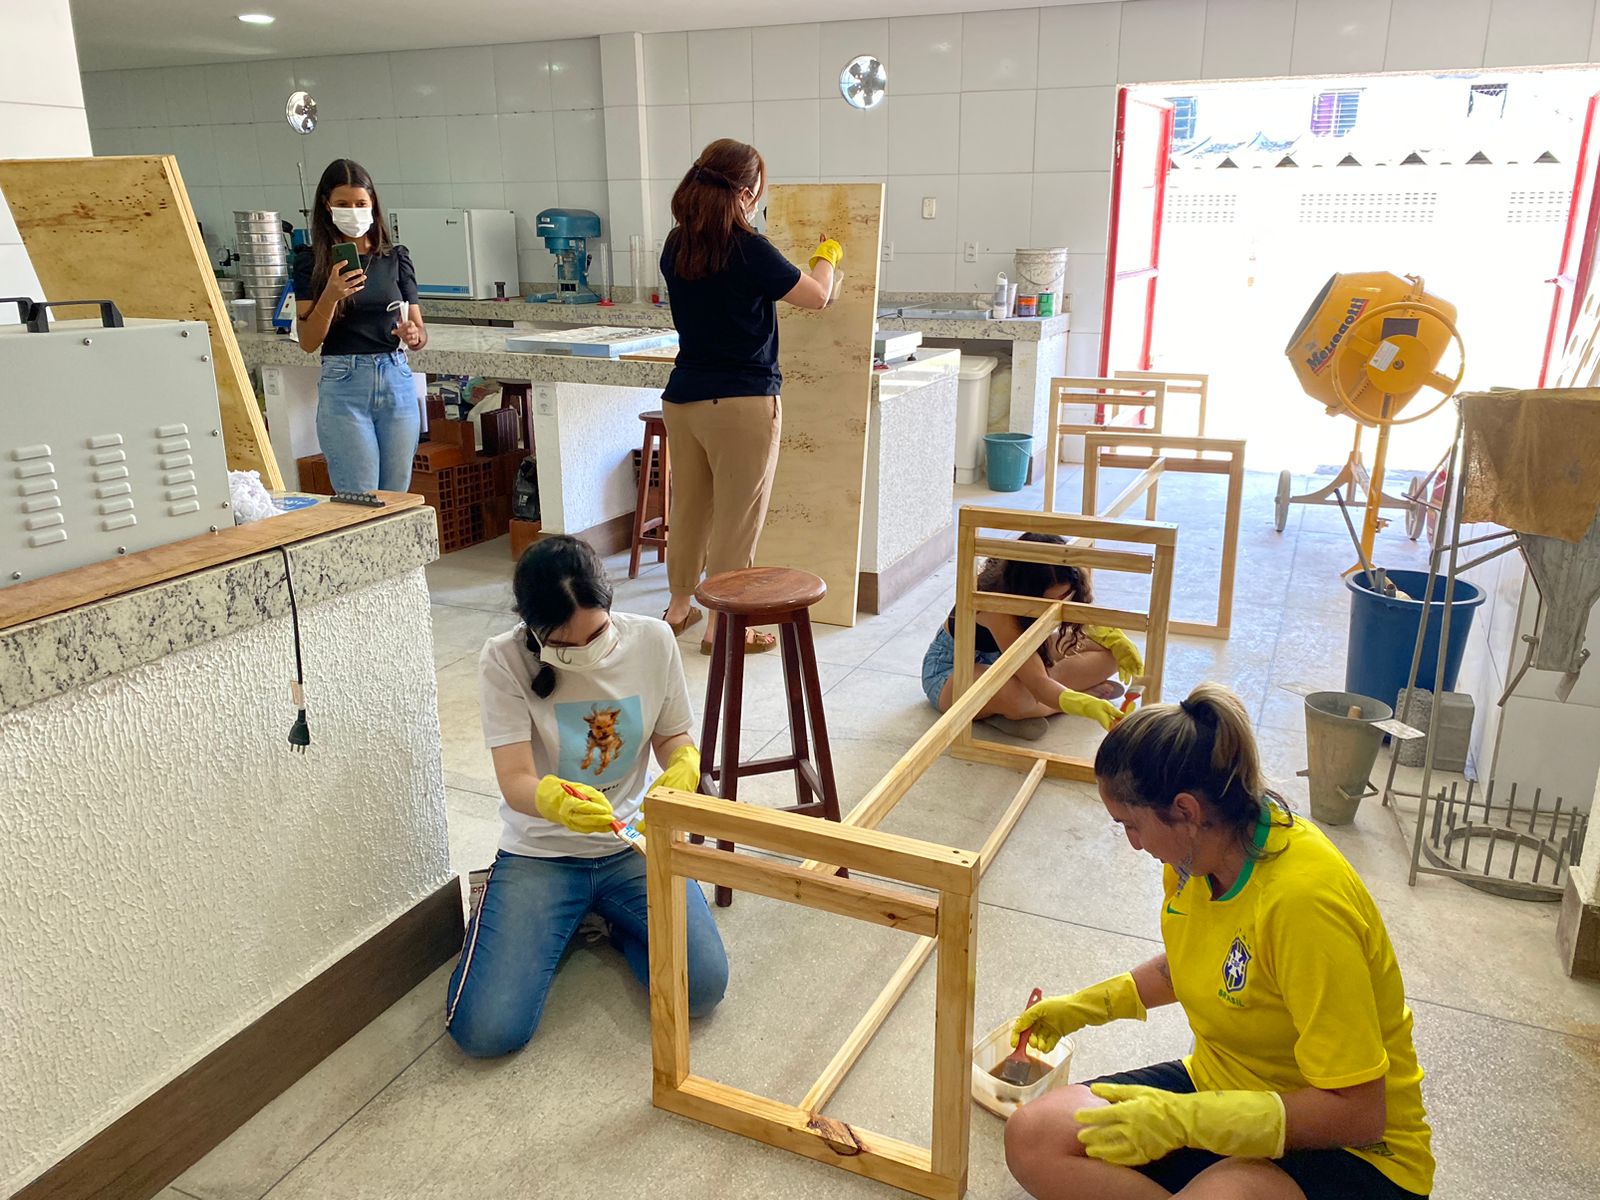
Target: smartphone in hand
[347,253]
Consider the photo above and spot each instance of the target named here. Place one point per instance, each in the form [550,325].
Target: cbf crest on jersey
[1236,967]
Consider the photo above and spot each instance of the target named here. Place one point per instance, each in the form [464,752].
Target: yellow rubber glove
[1142,1124]
[682,773]
[1076,704]
[1114,999]
[1129,660]
[586,812]
[830,250]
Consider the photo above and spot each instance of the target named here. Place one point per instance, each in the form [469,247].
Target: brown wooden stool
[655,500]
[778,596]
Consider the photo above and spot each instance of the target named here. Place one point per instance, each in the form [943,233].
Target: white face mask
[579,659]
[352,221]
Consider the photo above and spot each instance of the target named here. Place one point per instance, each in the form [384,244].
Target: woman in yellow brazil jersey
[1303,1083]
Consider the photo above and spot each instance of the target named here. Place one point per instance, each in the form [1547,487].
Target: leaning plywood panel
[814,521]
[122,229]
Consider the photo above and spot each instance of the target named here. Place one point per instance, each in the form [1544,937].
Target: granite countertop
[481,350]
[650,316]
[73,649]
[907,377]
[477,350]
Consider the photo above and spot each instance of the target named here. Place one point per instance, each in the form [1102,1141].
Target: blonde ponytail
[1202,745]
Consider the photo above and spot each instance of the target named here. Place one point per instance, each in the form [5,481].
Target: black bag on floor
[525,493]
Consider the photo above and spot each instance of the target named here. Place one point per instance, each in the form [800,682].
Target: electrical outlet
[930,208]
[544,400]
[969,252]
[888,252]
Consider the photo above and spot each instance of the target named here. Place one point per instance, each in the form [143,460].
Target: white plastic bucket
[1002,1098]
[1042,270]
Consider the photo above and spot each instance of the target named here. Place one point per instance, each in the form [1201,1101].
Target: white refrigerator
[459,253]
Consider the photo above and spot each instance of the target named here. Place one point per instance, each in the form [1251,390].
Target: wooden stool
[654,503]
[766,596]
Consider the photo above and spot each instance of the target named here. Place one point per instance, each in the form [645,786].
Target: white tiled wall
[41,115]
[511,126]
[1003,119]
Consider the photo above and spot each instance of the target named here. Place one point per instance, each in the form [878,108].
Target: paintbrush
[1017,1067]
[628,834]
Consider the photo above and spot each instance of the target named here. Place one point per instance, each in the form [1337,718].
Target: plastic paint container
[1002,1098]
[1027,306]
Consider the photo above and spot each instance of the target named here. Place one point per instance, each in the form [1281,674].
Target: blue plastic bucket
[1383,633]
[1006,460]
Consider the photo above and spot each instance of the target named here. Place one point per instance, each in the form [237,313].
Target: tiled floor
[1511,1046]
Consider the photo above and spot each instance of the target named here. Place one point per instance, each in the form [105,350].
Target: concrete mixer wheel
[1416,506]
[1280,512]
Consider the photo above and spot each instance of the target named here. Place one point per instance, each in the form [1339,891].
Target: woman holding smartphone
[356,298]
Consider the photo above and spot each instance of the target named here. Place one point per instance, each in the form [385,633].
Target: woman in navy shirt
[722,408]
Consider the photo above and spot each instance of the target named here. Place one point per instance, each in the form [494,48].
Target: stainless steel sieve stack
[263,260]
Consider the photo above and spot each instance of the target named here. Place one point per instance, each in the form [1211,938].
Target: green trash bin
[1006,459]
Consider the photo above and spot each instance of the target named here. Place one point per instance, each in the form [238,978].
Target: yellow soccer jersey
[1289,981]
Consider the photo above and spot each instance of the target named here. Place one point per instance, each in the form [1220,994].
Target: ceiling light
[257,18]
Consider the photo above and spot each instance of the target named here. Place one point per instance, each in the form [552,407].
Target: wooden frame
[945,921]
[1179,383]
[1146,453]
[1104,392]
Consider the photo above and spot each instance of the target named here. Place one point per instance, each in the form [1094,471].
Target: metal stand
[1362,486]
[1454,831]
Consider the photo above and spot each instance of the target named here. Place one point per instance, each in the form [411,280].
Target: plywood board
[814,520]
[123,229]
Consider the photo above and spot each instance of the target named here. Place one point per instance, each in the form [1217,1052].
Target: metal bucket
[1340,752]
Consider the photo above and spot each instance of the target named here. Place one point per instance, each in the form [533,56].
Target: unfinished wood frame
[1105,392]
[1147,454]
[947,917]
[945,922]
[1179,383]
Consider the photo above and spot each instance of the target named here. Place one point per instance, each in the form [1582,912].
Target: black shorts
[1320,1174]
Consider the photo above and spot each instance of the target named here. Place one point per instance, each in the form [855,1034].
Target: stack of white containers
[263,261]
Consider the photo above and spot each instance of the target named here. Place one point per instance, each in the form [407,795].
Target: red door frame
[1150,271]
[1576,267]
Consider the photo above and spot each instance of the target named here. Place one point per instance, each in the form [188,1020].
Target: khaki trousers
[723,455]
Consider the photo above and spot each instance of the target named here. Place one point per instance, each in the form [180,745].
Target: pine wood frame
[1107,393]
[944,920]
[1146,453]
[1179,383]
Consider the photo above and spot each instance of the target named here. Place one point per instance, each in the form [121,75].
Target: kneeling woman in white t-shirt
[573,700]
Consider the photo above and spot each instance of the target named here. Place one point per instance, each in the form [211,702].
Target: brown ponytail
[1202,745]
[706,209]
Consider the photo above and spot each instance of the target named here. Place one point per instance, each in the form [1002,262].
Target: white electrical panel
[110,442]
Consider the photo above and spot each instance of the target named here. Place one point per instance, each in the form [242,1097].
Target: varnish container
[1002,1098]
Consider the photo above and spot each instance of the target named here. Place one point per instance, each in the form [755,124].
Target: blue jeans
[530,911]
[939,663]
[368,421]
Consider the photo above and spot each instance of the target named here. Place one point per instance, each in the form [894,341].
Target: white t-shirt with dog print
[595,728]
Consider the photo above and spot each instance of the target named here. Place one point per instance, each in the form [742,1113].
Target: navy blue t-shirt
[728,322]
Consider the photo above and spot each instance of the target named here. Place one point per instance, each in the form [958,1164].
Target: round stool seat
[761,592]
[653,415]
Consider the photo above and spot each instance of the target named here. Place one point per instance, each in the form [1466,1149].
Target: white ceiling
[165,33]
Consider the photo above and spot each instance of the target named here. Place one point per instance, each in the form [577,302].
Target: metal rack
[1462,839]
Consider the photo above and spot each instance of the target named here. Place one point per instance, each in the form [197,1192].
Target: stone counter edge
[58,654]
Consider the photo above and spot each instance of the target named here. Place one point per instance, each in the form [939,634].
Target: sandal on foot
[1110,689]
[755,642]
[678,627]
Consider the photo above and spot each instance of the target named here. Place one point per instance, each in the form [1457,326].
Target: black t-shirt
[728,322]
[982,640]
[365,325]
